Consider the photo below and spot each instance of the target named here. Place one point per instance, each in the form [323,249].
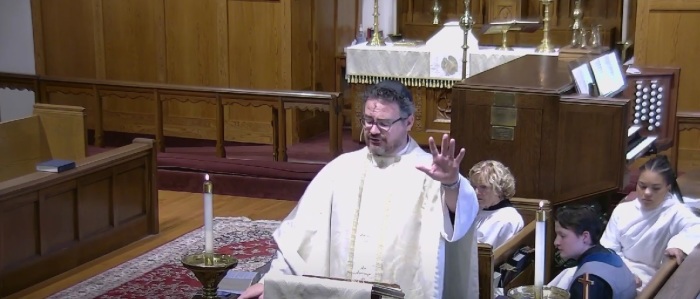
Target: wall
[16,56]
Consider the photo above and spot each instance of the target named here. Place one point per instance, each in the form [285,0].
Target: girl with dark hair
[654,225]
[578,231]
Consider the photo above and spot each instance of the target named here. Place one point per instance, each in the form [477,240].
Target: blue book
[55,165]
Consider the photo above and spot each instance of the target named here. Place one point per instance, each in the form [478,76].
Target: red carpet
[159,273]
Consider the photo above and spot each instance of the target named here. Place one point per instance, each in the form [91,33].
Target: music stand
[513,25]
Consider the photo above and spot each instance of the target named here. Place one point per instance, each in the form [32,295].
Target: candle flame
[206,178]
[541,204]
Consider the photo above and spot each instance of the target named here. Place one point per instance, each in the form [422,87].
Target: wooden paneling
[582,123]
[282,45]
[260,44]
[65,37]
[666,36]
[133,35]
[196,47]
[50,223]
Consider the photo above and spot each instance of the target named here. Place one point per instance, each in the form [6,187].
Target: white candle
[540,233]
[208,216]
[625,19]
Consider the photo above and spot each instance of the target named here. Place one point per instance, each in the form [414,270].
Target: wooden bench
[490,257]
[53,132]
[678,281]
[53,222]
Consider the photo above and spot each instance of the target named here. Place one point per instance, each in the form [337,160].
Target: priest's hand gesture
[445,167]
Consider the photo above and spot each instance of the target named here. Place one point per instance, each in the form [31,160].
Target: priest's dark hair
[661,165]
[581,218]
[394,92]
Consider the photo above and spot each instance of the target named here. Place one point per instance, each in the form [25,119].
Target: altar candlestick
[540,230]
[625,19]
[208,216]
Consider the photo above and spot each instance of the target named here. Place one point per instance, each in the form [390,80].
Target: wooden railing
[278,101]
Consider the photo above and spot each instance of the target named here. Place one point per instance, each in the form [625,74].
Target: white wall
[16,56]
[387,15]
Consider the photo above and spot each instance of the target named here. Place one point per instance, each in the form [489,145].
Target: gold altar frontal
[433,110]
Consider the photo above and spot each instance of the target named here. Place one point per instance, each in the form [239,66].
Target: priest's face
[651,189]
[570,245]
[386,132]
[486,195]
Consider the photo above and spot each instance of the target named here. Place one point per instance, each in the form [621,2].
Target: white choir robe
[641,237]
[498,226]
[389,224]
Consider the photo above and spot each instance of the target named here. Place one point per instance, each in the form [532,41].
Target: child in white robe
[497,220]
[654,225]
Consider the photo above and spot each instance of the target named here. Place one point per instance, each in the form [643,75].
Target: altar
[428,69]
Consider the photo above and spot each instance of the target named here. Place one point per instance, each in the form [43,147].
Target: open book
[379,289]
[512,25]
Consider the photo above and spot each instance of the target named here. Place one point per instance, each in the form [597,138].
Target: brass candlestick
[530,292]
[376,40]
[210,269]
[545,46]
[436,12]
[466,22]
[576,27]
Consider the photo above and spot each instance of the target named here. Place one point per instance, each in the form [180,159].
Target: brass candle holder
[376,39]
[577,26]
[210,269]
[534,292]
[436,12]
[545,46]
[466,22]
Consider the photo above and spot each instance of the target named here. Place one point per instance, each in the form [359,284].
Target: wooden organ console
[560,145]
[653,112]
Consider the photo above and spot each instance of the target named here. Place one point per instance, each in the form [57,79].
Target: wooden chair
[490,257]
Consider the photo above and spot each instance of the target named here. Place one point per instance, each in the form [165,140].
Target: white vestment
[380,219]
[498,226]
[642,236]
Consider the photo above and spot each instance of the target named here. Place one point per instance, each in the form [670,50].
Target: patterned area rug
[159,273]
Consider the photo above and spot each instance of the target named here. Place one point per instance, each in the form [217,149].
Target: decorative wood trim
[161,46]
[38,29]
[222,33]
[99,36]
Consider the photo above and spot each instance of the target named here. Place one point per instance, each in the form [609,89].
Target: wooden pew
[53,132]
[490,257]
[53,222]
[667,269]
[682,283]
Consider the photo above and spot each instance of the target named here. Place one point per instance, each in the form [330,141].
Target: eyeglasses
[383,125]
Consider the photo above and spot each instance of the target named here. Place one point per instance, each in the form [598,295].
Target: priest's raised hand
[445,168]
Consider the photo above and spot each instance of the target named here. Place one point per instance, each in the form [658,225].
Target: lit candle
[625,19]
[540,229]
[208,216]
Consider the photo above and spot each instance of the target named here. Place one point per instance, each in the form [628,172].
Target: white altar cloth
[423,65]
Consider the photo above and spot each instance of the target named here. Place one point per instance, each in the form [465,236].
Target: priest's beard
[380,145]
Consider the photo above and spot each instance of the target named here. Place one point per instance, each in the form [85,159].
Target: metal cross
[586,282]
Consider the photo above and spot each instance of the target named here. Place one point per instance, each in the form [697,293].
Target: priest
[389,212]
